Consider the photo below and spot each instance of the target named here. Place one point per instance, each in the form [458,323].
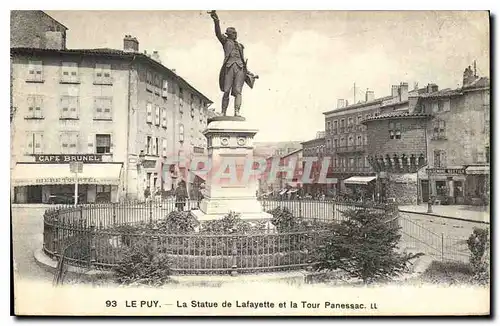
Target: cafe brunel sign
[67,158]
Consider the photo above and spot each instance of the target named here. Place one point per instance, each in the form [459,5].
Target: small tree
[143,264]
[283,219]
[364,246]
[479,247]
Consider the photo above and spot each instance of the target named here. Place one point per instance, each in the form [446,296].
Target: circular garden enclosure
[103,236]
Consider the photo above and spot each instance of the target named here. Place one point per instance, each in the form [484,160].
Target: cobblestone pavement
[27,236]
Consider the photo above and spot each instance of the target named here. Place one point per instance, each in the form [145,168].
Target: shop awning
[478,170]
[359,180]
[283,191]
[48,174]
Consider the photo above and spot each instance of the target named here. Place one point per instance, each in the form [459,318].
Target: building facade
[458,142]
[121,112]
[36,29]
[316,149]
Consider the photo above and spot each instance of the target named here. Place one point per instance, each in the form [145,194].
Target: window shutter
[39,107]
[164,91]
[443,159]
[149,112]
[90,144]
[111,144]
[29,143]
[164,147]
[38,143]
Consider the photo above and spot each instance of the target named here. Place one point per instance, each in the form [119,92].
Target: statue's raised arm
[218,32]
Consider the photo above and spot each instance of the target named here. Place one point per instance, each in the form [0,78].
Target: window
[359,141]
[149,81]
[350,141]
[351,162]
[328,143]
[156,147]
[164,91]
[103,108]
[336,162]
[69,72]
[102,74]
[342,142]
[164,117]
[367,164]
[359,119]
[148,145]
[439,129]
[69,107]
[394,130]
[69,143]
[441,188]
[181,133]
[440,106]
[35,71]
[335,125]
[349,122]
[342,123]
[34,143]
[192,104]
[103,144]
[149,112]
[158,84]
[335,143]
[157,115]
[328,126]
[164,147]
[360,162]
[181,100]
[439,158]
[35,105]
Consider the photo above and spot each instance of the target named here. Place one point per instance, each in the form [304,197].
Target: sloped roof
[399,116]
[110,53]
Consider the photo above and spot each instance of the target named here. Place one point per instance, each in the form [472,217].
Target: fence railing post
[442,246]
[92,244]
[114,213]
[150,212]
[234,253]
[55,230]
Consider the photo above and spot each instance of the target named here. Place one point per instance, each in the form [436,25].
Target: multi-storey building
[282,174]
[439,147]
[119,111]
[316,149]
[36,29]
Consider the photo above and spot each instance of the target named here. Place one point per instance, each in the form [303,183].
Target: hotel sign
[68,158]
[444,171]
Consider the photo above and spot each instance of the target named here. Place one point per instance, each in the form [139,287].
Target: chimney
[340,103]
[370,96]
[431,88]
[130,44]
[395,90]
[469,76]
[403,92]
[156,56]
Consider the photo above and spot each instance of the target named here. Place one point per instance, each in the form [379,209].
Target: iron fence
[104,231]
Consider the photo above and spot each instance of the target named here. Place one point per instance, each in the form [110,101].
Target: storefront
[447,185]
[477,184]
[49,180]
[361,187]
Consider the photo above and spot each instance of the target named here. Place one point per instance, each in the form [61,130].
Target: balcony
[352,169]
[350,149]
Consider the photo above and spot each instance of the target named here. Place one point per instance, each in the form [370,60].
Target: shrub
[142,264]
[365,246]
[178,222]
[451,272]
[229,224]
[479,246]
[283,219]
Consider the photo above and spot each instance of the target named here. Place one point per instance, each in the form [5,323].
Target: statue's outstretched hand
[213,14]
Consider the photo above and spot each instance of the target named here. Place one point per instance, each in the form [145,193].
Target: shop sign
[445,171]
[71,180]
[68,158]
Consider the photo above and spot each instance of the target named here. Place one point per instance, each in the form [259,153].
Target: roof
[478,83]
[359,105]
[398,115]
[442,93]
[53,19]
[313,140]
[292,153]
[120,54]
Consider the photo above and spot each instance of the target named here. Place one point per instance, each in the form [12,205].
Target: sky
[306,60]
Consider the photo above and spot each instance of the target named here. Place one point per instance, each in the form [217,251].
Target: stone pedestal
[228,187]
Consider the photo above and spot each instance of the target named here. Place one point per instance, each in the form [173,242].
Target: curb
[443,216]
[291,278]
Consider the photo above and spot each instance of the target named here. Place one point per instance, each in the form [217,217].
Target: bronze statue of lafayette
[234,72]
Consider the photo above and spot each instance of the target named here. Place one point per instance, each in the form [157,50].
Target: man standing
[180,196]
[233,73]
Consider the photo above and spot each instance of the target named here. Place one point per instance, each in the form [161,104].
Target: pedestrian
[147,194]
[180,196]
